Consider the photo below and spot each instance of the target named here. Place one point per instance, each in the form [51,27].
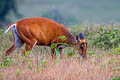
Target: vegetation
[54,45]
[6,6]
[107,38]
[103,58]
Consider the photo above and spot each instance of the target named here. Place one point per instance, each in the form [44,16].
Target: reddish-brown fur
[42,30]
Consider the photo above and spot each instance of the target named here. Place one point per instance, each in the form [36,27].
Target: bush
[105,38]
[116,78]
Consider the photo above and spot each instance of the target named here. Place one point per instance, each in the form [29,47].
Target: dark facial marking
[83,50]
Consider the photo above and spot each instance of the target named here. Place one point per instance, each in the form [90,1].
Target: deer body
[40,31]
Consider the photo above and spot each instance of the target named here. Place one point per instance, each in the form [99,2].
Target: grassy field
[102,63]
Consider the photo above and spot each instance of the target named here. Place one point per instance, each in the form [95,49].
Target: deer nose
[84,56]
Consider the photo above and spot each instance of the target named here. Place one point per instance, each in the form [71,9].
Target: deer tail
[9,27]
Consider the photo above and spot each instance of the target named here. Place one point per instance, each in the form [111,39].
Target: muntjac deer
[43,31]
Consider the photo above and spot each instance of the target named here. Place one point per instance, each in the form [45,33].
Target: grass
[43,67]
[38,64]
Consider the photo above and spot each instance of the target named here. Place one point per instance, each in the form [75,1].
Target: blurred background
[66,12]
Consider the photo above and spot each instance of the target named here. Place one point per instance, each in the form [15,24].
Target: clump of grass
[91,53]
[107,39]
[7,62]
[115,78]
[116,51]
[43,62]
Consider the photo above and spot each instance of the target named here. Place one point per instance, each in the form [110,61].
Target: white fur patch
[18,41]
[10,28]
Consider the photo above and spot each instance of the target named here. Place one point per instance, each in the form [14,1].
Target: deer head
[81,45]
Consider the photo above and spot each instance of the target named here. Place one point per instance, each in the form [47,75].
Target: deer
[43,32]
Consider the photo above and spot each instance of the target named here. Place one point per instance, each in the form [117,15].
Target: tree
[5,7]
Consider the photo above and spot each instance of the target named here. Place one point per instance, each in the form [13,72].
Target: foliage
[69,54]
[113,61]
[1,31]
[1,34]
[57,50]
[116,78]
[56,61]
[91,53]
[116,51]
[43,62]
[54,45]
[105,38]
[62,37]
[27,53]
[6,63]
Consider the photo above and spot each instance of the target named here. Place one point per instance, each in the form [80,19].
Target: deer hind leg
[10,50]
[18,43]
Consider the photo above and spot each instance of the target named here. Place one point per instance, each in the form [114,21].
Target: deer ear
[81,36]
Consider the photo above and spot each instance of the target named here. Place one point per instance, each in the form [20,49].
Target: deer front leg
[61,52]
[10,50]
[53,53]
[28,47]
[60,47]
